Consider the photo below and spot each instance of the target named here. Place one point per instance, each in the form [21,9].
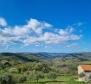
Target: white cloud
[3,22]
[37,26]
[73,45]
[37,45]
[20,30]
[75,37]
[31,40]
[63,32]
[33,33]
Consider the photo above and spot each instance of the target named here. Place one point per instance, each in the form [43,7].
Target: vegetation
[81,75]
[7,79]
[41,68]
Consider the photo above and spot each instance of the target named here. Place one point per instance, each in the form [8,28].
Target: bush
[81,75]
[6,79]
[52,75]
[42,67]
[13,70]
[36,75]
[4,64]
[22,79]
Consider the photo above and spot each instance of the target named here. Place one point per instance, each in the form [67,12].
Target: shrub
[36,75]
[22,79]
[13,70]
[6,79]
[52,75]
[42,67]
[81,75]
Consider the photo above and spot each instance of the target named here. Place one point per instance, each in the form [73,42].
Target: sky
[45,26]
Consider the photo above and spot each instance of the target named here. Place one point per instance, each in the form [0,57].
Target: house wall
[86,77]
[88,73]
[80,70]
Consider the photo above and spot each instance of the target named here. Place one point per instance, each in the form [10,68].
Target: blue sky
[45,25]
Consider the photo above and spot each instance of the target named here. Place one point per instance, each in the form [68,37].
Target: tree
[7,79]
[52,75]
[4,64]
[22,79]
[90,77]
[81,74]
[37,75]
[42,67]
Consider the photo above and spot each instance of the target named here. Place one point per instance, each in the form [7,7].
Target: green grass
[66,79]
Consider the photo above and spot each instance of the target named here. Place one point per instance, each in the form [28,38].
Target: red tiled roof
[86,67]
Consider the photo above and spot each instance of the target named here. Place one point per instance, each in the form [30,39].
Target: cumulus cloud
[34,32]
[3,22]
[37,26]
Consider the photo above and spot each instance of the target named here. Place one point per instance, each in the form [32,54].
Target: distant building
[84,72]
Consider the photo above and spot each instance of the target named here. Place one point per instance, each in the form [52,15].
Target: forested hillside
[41,68]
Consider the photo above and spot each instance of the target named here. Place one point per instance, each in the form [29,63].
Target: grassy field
[65,79]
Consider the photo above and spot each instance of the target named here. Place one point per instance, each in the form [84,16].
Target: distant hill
[40,56]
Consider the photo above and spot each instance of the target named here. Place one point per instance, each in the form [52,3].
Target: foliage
[23,68]
[37,75]
[81,75]
[13,70]
[52,75]
[7,79]
[90,77]
[22,79]
[42,67]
